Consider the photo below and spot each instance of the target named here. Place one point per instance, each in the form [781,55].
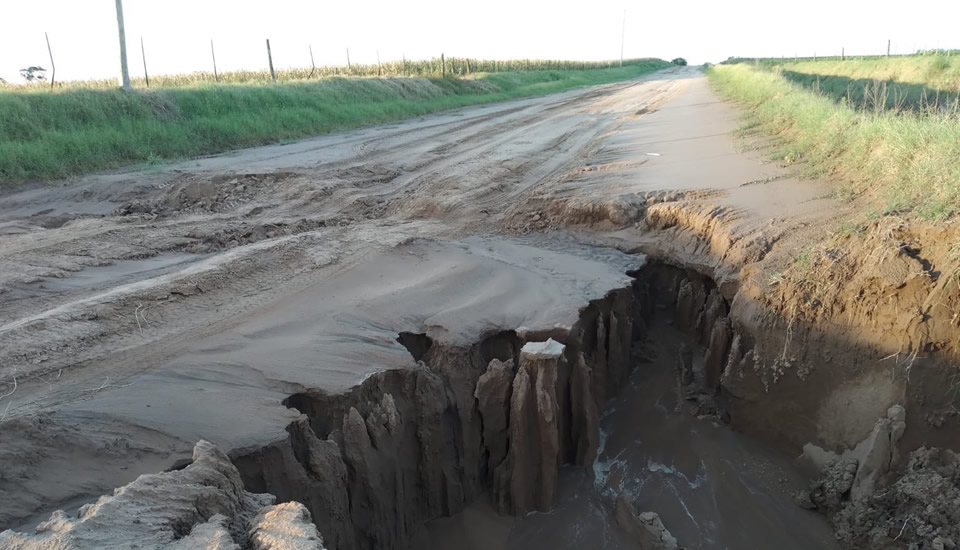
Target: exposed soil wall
[406,446]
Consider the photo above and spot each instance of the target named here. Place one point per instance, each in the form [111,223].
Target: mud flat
[516,325]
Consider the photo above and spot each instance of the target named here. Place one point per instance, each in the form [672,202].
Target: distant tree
[31,74]
[679,61]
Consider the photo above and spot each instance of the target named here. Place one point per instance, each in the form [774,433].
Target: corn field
[432,68]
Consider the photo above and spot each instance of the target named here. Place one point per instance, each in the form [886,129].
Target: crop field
[431,68]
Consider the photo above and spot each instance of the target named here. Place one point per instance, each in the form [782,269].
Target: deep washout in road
[339,333]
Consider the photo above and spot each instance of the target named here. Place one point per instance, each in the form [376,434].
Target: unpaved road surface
[144,310]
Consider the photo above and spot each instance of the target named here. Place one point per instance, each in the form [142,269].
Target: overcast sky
[177,33]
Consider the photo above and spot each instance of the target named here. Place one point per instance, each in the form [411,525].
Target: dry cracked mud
[572,321]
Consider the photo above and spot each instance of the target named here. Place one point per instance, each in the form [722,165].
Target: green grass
[908,162]
[46,135]
[937,72]
[922,83]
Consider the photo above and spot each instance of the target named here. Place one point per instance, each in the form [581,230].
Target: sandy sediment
[202,506]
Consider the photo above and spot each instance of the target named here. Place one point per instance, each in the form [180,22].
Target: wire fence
[842,57]
[38,77]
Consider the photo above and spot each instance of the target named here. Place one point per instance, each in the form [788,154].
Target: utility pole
[124,73]
[623,31]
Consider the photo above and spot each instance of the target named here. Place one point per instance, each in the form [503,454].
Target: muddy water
[713,488]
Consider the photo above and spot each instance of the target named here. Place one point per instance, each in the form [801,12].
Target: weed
[804,259]
[850,229]
[843,194]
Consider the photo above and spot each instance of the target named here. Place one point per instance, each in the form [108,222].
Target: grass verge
[926,84]
[911,163]
[53,135]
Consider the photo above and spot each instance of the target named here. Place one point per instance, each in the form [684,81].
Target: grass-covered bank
[49,135]
[928,83]
[911,162]
[937,72]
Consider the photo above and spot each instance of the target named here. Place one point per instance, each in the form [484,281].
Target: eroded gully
[509,443]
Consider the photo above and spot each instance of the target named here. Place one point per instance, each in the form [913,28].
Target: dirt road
[144,310]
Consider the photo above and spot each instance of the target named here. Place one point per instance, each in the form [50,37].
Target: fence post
[888,47]
[468,66]
[273,73]
[843,54]
[348,58]
[379,70]
[313,66]
[143,53]
[443,66]
[213,54]
[53,66]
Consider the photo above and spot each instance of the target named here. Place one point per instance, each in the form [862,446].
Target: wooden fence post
[379,69]
[843,54]
[143,53]
[213,54]
[443,66]
[53,67]
[273,73]
[313,66]
[888,47]
[468,66]
[348,58]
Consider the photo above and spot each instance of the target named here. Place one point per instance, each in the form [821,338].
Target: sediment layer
[203,506]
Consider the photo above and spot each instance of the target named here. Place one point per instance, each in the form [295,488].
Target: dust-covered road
[144,310]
